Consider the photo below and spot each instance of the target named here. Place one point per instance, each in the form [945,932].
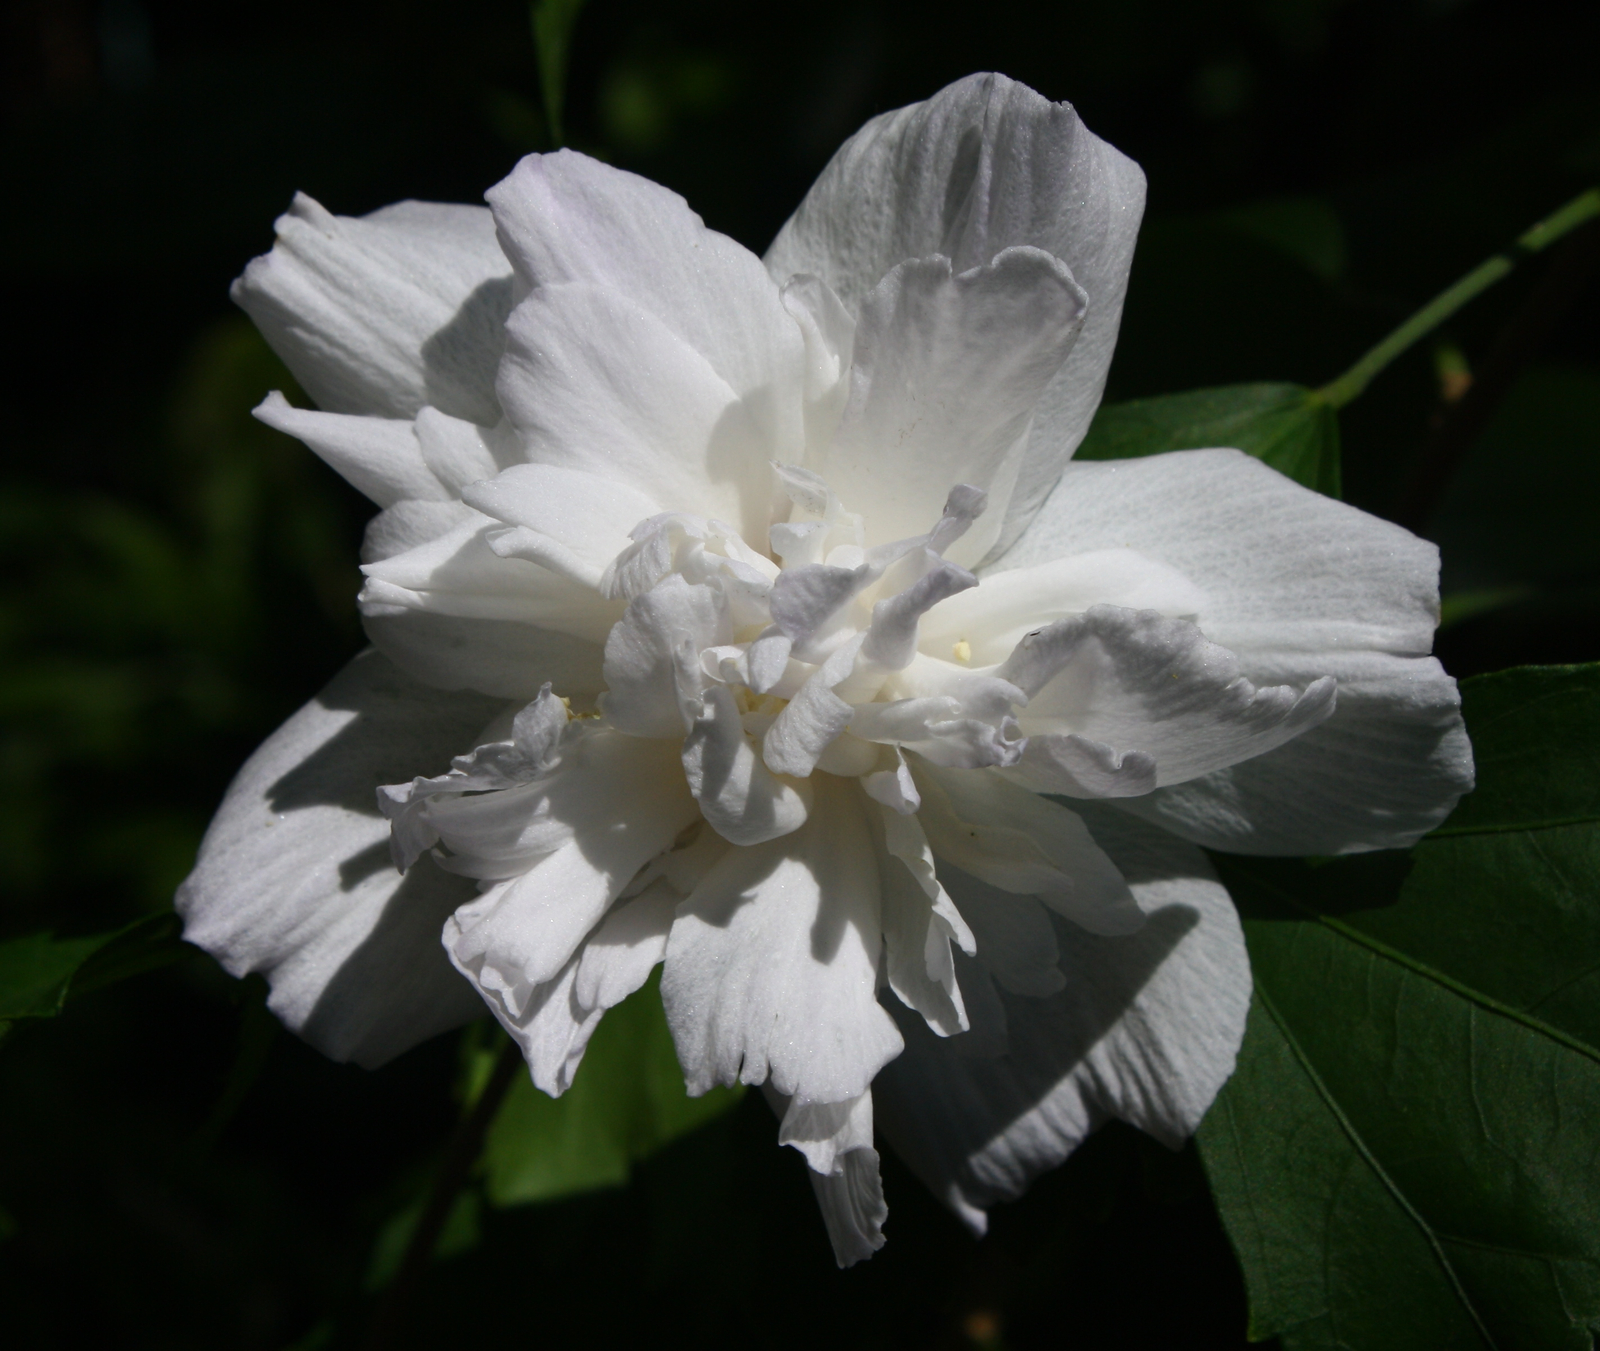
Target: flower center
[807,656]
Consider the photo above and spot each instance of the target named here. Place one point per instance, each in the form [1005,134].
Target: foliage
[1285,426]
[1405,1156]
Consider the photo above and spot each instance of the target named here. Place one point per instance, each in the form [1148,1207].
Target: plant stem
[1518,342]
[1339,392]
[454,1169]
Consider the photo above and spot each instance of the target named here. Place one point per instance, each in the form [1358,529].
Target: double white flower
[773,609]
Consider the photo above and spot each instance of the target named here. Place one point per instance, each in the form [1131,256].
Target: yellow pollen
[962,651]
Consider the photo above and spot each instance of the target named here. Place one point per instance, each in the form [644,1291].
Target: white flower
[760,607]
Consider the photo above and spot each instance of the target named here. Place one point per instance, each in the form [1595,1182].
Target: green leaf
[37,972]
[1283,425]
[1405,1156]
[626,1102]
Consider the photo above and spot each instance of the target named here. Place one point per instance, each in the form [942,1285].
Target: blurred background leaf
[626,1102]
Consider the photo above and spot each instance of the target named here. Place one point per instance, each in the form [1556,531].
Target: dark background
[176,579]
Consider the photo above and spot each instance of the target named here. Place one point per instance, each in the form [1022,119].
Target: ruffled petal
[385,313]
[948,368]
[852,1206]
[1016,841]
[561,1016]
[653,674]
[987,622]
[984,165]
[772,967]
[1145,1029]
[1136,680]
[568,844]
[294,878]
[920,923]
[1297,586]
[741,799]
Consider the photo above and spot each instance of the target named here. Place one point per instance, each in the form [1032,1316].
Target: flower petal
[1005,607]
[1017,841]
[1385,769]
[919,924]
[653,672]
[502,657]
[568,218]
[1297,586]
[983,165]
[620,955]
[948,368]
[772,967]
[1012,935]
[568,521]
[594,381]
[461,573]
[852,1206]
[382,314]
[576,838]
[1145,1029]
[377,456]
[294,879]
[1136,680]
[741,799]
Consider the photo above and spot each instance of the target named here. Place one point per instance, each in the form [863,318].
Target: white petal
[743,800]
[377,456]
[621,953]
[568,218]
[653,673]
[460,452]
[408,524]
[829,331]
[947,371]
[919,924]
[1077,766]
[1017,841]
[502,657]
[1136,680]
[460,574]
[1282,569]
[772,967]
[593,381]
[386,313]
[813,718]
[826,1131]
[1146,1029]
[294,878]
[1012,935]
[552,1029]
[569,521]
[852,1207]
[1297,586]
[1385,769]
[1006,606]
[983,165]
[614,803]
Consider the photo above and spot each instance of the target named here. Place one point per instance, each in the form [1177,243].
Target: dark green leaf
[1283,425]
[626,1102]
[1406,1154]
[39,971]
